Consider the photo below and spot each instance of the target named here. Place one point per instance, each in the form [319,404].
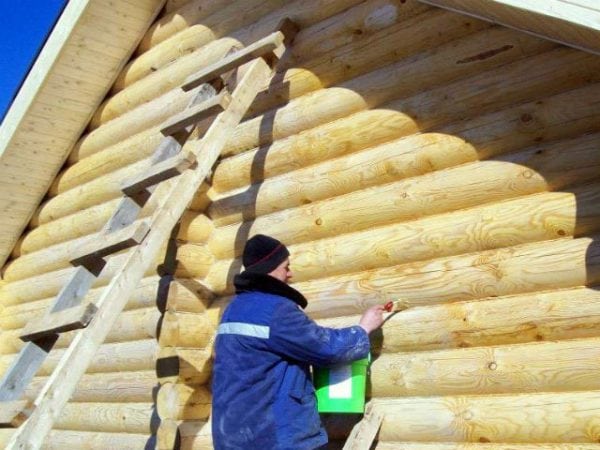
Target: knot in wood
[492,365]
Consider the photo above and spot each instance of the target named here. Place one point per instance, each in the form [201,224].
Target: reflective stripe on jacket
[263,397]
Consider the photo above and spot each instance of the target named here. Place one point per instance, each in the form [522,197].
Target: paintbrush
[396,306]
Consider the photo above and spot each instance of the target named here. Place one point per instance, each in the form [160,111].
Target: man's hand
[372,318]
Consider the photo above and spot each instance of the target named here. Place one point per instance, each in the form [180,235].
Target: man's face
[282,272]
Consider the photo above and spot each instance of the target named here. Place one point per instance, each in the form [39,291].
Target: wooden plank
[75,360]
[157,173]
[24,367]
[58,322]
[364,432]
[196,113]
[109,243]
[13,414]
[565,22]
[259,48]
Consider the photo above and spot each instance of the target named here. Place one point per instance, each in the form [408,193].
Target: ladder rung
[196,113]
[260,48]
[14,413]
[161,171]
[67,319]
[106,244]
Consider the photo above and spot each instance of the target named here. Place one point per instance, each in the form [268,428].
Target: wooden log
[184,434]
[321,143]
[531,122]
[195,227]
[114,357]
[121,154]
[182,402]
[555,71]
[131,326]
[188,295]
[54,258]
[151,292]
[115,387]
[558,264]
[117,357]
[92,219]
[187,329]
[493,418]
[88,440]
[108,417]
[391,161]
[193,260]
[464,186]
[144,117]
[218,16]
[157,83]
[570,365]
[500,132]
[542,165]
[539,316]
[184,365]
[350,25]
[531,218]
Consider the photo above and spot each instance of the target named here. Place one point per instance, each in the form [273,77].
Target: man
[263,397]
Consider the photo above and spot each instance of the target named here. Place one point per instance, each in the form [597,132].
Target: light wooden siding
[82,57]
[456,170]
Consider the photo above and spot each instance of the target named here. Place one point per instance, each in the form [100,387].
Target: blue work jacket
[263,397]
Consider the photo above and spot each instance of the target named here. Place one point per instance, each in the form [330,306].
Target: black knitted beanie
[262,254]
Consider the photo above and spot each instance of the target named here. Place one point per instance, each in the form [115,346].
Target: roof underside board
[91,42]
[575,23]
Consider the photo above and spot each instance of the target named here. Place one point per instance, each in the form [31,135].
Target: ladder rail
[61,384]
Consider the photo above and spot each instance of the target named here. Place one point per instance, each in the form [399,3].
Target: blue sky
[24,26]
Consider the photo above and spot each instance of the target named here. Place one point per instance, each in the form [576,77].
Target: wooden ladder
[179,166]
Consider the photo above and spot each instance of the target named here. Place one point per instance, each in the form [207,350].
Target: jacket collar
[258,282]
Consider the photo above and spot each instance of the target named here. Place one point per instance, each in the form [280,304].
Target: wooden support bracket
[73,318]
[108,243]
[159,172]
[196,113]
[364,432]
[14,413]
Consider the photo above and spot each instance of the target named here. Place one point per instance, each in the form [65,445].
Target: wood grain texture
[570,417]
[112,387]
[108,417]
[184,365]
[538,316]
[527,268]
[158,83]
[182,402]
[89,440]
[571,365]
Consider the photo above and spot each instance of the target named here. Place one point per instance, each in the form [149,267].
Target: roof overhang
[90,44]
[575,23]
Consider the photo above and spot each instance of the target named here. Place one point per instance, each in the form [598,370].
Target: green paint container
[341,389]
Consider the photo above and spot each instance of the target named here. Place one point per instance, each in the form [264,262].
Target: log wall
[400,151]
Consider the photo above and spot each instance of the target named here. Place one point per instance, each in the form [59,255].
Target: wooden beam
[259,48]
[162,171]
[109,243]
[58,322]
[13,413]
[576,24]
[23,368]
[196,113]
[364,432]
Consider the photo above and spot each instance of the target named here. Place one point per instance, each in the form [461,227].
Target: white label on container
[340,382]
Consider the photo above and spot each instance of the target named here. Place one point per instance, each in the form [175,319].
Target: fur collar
[258,282]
